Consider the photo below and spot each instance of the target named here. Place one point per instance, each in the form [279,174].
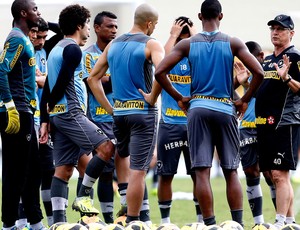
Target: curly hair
[71,17]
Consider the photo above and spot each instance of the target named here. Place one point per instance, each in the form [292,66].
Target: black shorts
[45,152]
[171,141]
[208,129]
[248,147]
[136,136]
[278,148]
[73,134]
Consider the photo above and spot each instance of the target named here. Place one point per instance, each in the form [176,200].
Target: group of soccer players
[100,107]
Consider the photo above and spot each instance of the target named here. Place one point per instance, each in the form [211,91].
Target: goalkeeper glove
[13,125]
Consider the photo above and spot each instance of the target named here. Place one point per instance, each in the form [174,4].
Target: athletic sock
[122,191]
[145,209]
[106,197]
[59,199]
[272,191]
[237,215]
[132,218]
[92,172]
[254,194]
[165,207]
[46,194]
[198,211]
[79,184]
[279,221]
[209,220]
[46,198]
[290,220]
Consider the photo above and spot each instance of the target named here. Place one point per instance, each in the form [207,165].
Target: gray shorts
[171,142]
[73,134]
[136,136]
[208,129]
[248,147]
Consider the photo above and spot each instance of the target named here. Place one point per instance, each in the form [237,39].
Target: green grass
[183,211]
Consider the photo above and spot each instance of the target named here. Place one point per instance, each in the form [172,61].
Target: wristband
[288,80]
[9,104]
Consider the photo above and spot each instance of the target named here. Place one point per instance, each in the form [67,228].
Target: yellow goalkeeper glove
[13,125]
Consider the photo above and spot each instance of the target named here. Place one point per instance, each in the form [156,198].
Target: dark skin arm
[179,51]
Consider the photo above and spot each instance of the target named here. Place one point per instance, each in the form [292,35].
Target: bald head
[145,13]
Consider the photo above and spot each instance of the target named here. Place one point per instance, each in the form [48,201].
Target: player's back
[212,64]
[130,70]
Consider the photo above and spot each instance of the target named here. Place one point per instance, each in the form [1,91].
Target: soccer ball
[113,227]
[193,226]
[73,226]
[137,225]
[291,227]
[121,220]
[55,226]
[85,220]
[230,224]
[95,226]
[212,227]
[264,226]
[168,226]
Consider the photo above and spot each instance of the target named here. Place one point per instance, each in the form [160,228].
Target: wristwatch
[288,80]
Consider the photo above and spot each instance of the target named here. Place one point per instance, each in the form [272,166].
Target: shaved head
[145,13]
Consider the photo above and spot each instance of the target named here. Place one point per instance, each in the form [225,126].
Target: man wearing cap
[278,115]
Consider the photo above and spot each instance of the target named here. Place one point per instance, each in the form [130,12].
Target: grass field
[183,211]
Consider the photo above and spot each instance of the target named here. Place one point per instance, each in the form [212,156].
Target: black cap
[283,20]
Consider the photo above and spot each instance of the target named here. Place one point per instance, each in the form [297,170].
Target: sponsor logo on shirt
[225,100]
[59,109]
[32,61]
[3,53]
[37,113]
[134,104]
[180,79]
[265,120]
[248,124]
[175,113]
[260,121]
[100,111]
[16,57]
[271,75]
[33,103]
